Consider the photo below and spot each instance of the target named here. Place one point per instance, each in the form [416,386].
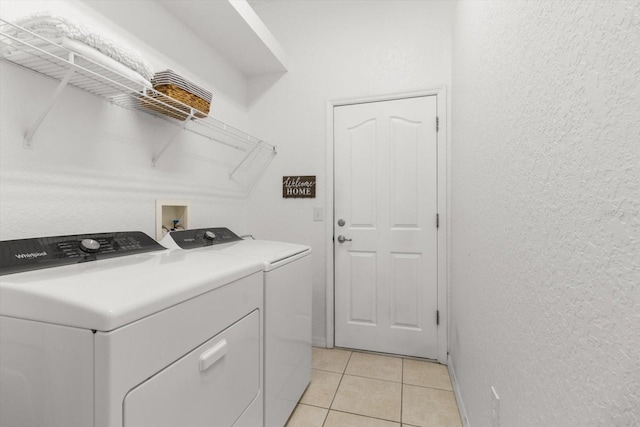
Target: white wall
[337,50]
[90,166]
[545,274]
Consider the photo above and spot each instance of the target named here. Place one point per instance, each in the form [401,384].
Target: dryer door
[212,385]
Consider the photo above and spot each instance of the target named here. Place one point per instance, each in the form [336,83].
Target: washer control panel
[45,252]
[192,239]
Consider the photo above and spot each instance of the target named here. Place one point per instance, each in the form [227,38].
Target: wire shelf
[29,50]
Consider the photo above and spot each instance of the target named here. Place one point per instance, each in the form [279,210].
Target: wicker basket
[179,111]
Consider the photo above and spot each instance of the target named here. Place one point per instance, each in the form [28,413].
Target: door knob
[343,239]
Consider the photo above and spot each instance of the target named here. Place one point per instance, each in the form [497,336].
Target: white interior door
[386,198]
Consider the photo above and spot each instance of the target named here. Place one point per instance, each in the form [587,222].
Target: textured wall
[545,247]
[337,50]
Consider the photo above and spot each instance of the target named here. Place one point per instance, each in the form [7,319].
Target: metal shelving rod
[242,161]
[159,154]
[70,69]
[38,121]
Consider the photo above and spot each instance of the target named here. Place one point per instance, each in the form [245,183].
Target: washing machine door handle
[212,355]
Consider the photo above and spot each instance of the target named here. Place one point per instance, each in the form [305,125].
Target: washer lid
[271,253]
[222,240]
[108,294]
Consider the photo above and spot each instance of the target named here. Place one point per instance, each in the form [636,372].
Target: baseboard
[456,392]
[319,342]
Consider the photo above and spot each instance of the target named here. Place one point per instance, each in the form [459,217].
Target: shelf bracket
[154,160]
[255,147]
[56,94]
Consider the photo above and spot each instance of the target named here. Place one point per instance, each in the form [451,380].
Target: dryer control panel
[199,238]
[45,252]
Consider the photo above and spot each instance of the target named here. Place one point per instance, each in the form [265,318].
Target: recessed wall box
[168,212]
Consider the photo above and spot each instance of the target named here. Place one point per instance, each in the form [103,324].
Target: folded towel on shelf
[52,26]
[62,46]
[106,61]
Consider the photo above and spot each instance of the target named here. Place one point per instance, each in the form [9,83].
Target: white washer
[147,338]
[287,280]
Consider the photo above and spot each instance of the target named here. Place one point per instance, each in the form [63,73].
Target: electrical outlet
[495,407]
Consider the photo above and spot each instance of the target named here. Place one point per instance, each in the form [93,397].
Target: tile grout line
[401,392]
[366,416]
[389,381]
[402,384]
[347,412]
[426,386]
[370,378]
[337,388]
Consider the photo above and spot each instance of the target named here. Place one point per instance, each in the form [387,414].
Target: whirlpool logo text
[31,255]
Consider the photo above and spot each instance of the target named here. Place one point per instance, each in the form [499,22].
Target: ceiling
[234,30]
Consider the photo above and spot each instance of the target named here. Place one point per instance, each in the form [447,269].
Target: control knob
[209,235]
[89,245]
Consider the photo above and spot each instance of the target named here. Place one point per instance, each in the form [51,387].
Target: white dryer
[113,330]
[287,292]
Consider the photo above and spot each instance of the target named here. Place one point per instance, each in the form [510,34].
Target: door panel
[405,305]
[362,295]
[404,174]
[385,191]
[362,180]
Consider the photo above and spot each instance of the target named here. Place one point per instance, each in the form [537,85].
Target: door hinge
[437,317]
[437,123]
[437,220]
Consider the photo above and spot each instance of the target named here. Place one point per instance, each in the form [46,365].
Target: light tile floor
[357,389]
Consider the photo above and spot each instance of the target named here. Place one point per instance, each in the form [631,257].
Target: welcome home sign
[302,187]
